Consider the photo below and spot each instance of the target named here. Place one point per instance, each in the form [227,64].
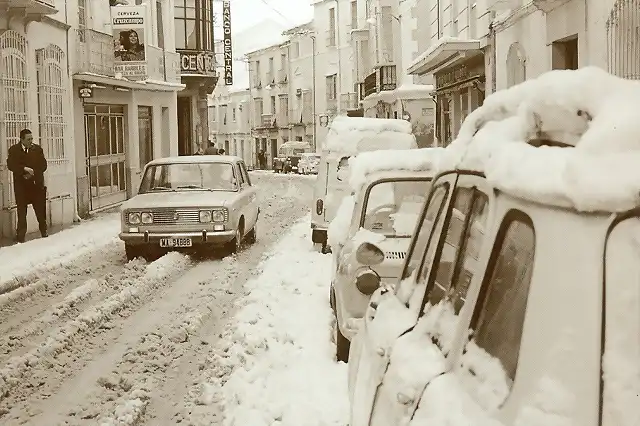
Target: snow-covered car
[347,137]
[308,163]
[527,313]
[385,212]
[189,203]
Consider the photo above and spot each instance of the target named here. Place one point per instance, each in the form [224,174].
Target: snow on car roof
[187,159]
[595,114]
[364,165]
[356,134]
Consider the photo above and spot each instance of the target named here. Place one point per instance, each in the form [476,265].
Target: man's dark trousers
[28,190]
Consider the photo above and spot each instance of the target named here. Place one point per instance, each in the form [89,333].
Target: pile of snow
[339,227]
[358,134]
[280,351]
[363,165]
[593,111]
[58,249]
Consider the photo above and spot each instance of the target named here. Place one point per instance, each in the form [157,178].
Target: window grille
[51,95]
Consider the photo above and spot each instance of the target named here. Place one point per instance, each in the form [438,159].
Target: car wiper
[161,188]
[195,187]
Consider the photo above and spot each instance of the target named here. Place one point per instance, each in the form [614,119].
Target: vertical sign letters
[228,55]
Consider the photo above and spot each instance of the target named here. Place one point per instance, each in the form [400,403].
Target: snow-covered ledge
[445,52]
[404,91]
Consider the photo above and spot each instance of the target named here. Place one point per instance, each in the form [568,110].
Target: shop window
[145,134]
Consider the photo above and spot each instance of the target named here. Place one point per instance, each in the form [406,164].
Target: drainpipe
[72,116]
[313,92]
[494,55]
[339,49]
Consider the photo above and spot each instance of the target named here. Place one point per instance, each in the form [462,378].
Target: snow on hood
[596,112]
[189,198]
[357,134]
[363,165]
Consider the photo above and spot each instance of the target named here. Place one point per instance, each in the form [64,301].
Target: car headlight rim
[205,216]
[134,218]
[218,215]
[146,218]
[367,281]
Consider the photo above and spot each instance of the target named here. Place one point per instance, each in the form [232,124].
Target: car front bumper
[197,238]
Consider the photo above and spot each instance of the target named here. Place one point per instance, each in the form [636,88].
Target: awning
[154,86]
[445,53]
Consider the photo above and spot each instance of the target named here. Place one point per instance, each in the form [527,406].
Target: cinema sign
[194,62]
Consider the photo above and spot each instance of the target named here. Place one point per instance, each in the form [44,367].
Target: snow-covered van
[389,188]
[348,136]
[527,314]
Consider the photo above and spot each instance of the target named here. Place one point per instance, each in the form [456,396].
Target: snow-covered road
[87,338]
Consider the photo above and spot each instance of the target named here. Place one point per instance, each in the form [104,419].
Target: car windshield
[189,176]
[392,208]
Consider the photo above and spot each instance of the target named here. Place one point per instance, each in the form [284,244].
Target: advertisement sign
[228,55]
[129,25]
[197,63]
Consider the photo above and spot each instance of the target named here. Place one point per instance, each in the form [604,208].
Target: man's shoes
[20,239]
[44,234]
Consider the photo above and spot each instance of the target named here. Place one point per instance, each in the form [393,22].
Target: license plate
[175,242]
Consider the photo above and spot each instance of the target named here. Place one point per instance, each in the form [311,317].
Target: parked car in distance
[289,155]
[385,212]
[308,163]
[190,203]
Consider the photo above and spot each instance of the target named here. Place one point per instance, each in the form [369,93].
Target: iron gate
[623,39]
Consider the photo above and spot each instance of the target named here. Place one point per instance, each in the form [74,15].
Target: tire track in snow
[84,294]
[62,338]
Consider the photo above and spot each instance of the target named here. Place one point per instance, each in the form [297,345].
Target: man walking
[26,161]
[211,149]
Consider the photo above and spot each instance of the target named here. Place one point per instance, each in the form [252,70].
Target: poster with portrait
[129,24]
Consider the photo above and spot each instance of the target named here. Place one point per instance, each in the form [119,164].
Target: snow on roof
[367,163]
[594,112]
[441,41]
[357,134]
[295,144]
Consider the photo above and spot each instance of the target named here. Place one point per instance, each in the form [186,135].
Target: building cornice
[514,17]
[55,23]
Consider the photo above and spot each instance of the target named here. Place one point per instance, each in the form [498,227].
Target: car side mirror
[369,254]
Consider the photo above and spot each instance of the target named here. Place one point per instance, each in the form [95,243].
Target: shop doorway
[185,145]
[105,154]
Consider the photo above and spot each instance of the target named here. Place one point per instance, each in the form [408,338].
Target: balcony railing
[332,105]
[370,84]
[387,78]
[94,52]
[267,120]
[271,78]
[282,118]
[155,63]
[172,67]
[359,89]
[348,101]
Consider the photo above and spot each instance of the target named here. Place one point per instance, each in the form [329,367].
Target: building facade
[121,121]
[35,93]
[455,50]
[385,45]
[335,86]
[229,123]
[195,45]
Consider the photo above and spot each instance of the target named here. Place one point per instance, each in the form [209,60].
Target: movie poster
[228,51]
[129,25]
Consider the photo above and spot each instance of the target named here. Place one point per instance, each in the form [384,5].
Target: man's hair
[24,132]
[221,151]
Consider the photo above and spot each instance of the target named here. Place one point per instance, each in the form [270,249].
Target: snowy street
[87,338]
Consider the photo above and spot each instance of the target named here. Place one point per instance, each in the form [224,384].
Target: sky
[256,24]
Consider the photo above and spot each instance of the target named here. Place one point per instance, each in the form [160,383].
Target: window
[82,19]
[213,113]
[189,176]
[392,208]
[243,169]
[234,114]
[257,78]
[473,18]
[240,175]
[354,15]
[160,24]
[343,169]
[258,110]
[564,54]
[499,314]
[50,74]
[194,24]
[283,61]
[332,89]
[270,77]
[273,105]
[331,38]
[284,109]
[145,134]
[621,325]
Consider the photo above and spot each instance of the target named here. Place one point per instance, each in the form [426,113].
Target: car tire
[252,236]
[132,252]
[235,245]
[342,344]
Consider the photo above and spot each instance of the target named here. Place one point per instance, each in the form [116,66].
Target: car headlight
[367,281]
[218,216]
[133,218]
[205,216]
[146,218]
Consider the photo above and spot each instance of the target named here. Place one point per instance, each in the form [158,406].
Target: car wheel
[132,251]
[342,344]
[235,244]
[252,236]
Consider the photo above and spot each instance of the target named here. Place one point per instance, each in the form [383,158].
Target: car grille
[395,255]
[175,217]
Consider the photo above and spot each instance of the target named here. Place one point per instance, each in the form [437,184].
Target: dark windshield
[189,176]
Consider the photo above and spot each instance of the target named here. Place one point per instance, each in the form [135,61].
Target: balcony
[282,118]
[155,63]
[267,121]
[257,83]
[348,101]
[370,84]
[271,78]
[382,79]
[94,52]
[172,67]
[30,9]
